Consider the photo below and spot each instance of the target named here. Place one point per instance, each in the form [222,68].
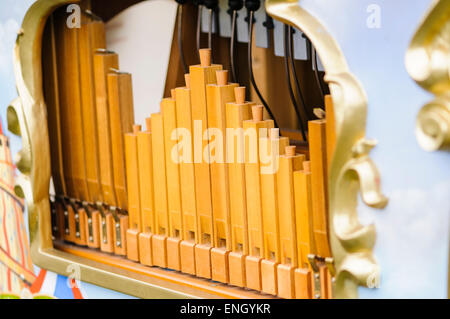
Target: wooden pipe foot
[236,267]
[159,250]
[269,277]
[325,282]
[253,272]
[286,286]
[304,285]
[145,249]
[203,261]
[187,252]
[173,253]
[219,265]
[133,244]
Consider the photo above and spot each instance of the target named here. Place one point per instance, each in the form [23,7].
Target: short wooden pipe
[222,77]
[205,57]
[187,80]
[137,128]
[239,93]
[257,113]
[148,124]
[290,150]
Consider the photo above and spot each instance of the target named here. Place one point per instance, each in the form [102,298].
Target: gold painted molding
[428,63]
[352,171]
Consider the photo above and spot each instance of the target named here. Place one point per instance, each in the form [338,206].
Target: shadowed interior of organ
[212,185]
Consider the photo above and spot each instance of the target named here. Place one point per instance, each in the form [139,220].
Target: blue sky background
[413,230]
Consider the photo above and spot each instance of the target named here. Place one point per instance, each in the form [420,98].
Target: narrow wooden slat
[237,112]
[91,37]
[253,185]
[132,169]
[75,113]
[66,123]
[253,194]
[51,93]
[330,129]
[168,109]
[187,178]
[159,175]
[145,162]
[159,179]
[288,232]
[121,115]
[304,216]
[269,203]
[217,97]
[103,62]
[317,149]
[288,164]
[146,187]
[187,174]
[134,196]
[200,77]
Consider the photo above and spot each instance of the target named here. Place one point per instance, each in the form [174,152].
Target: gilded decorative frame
[352,171]
[428,63]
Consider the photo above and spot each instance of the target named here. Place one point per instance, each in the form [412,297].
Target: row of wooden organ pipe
[118,188]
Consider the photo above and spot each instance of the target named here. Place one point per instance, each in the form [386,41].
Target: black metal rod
[308,112]
[250,68]
[210,27]
[180,37]
[199,24]
[232,42]
[316,71]
[288,78]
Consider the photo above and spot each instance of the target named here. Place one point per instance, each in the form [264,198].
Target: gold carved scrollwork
[428,63]
[352,171]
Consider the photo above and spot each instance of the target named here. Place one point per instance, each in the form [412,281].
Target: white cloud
[412,243]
